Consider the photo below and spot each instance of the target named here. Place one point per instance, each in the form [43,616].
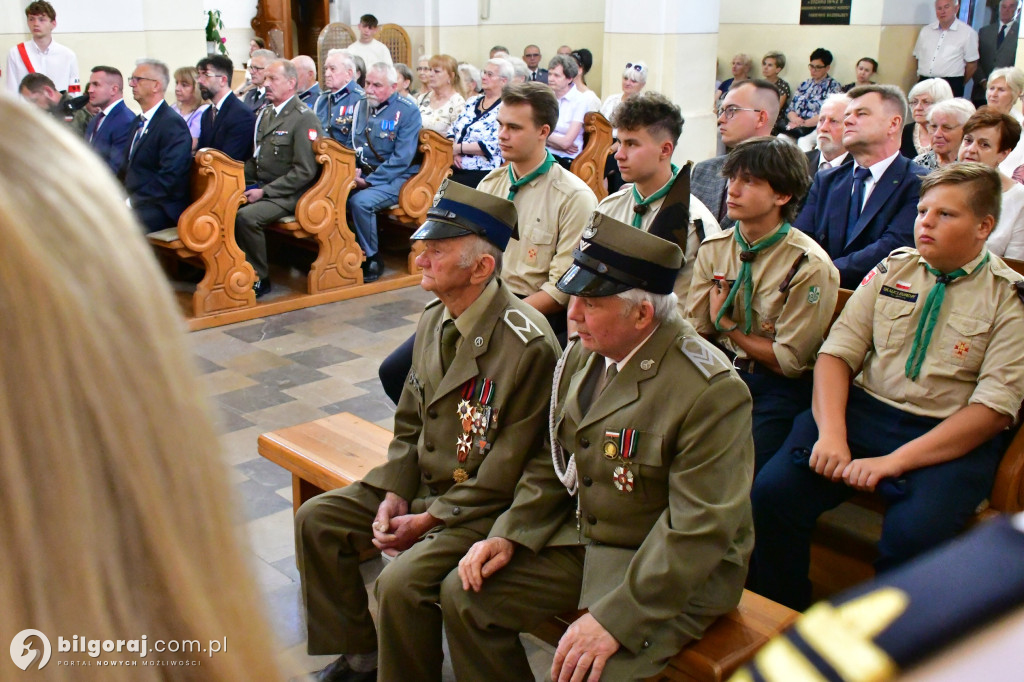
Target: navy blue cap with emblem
[459,211]
[614,257]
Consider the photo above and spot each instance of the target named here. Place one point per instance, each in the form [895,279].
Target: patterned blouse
[442,118]
[480,126]
[928,159]
[809,96]
[787,92]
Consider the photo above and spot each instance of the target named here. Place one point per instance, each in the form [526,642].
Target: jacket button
[432,489]
[429,446]
[432,413]
[587,481]
[456,511]
[584,442]
[645,644]
[591,519]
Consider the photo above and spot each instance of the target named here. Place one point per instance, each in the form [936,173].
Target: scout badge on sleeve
[475,414]
[621,445]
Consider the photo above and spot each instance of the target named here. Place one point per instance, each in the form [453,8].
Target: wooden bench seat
[597,142]
[206,234]
[320,217]
[335,451]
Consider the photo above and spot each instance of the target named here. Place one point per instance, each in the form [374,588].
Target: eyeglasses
[922,102]
[423,68]
[257,69]
[211,74]
[730,112]
[530,54]
[135,79]
[816,67]
[636,67]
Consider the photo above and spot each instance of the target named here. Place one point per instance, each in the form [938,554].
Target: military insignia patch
[868,277]
[622,477]
[813,295]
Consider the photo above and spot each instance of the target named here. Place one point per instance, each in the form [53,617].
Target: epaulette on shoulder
[1004,272]
[702,354]
[526,329]
[902,253]
[724,234]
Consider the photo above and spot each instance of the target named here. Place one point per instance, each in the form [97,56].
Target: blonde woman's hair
[190,74]
[115,516]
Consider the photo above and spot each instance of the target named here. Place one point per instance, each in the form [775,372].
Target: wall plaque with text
[825,12]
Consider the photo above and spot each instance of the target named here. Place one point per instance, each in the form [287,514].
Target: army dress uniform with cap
[648,524]
[672,213]
[385,140]
[284,166]
[336,111]
[554,206]
[462,437]
[923,345]
[783,287]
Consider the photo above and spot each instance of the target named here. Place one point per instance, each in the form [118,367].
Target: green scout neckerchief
[549,159]
[745,279]
[641,204]
[929,315]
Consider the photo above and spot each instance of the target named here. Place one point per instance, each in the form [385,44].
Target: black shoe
[339,671]
[261,286]
[373,268]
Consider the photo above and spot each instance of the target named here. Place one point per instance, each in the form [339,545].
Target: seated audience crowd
[705,410]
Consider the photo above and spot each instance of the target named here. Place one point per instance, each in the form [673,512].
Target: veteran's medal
[623,478]
[460,475]
[611,444]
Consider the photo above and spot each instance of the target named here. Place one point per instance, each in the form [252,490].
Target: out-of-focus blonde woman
[114,519]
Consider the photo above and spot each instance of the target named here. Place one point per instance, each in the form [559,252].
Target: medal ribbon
[627,440]
[641,204]
[929,315]
[745,279]
[549,159]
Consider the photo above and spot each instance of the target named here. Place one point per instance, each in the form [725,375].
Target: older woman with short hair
[475,132]
[422,74]
[741,66]
[470,77]
[1005,87]
[989,137]
[946,124]
[566,140]
[445,102]
[923,96]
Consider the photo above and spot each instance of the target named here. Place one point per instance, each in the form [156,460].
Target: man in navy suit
[109,130]
[308,89]
[227,124]
[862,212]
[256,97]
[159,153]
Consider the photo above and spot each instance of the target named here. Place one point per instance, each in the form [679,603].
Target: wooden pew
[320,217]
[206,233]
[335,451]
[435,156]
[597,142]
[844,543]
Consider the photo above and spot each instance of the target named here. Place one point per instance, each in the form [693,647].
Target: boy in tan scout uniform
[655,543]
[931,339]
[282,167]
[471,415]
[659,199]
[763,290]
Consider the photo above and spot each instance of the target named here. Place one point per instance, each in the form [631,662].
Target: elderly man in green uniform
[931,341]
[658,198]
[472,413]
[282,167]
[763,290]
[655,531]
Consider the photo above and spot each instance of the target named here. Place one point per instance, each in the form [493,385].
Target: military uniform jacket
[512,347]
[679,541]
[795,320]
[386,139]
[975,352]
[553,209]
[620,206]
[337,110]
[283,163]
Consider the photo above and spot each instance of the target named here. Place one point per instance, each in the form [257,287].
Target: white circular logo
[24,654]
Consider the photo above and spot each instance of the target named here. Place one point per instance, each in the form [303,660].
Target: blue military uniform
[336,111]
[309,97]
[385,141]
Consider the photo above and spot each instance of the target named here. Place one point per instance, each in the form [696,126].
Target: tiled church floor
[270,373]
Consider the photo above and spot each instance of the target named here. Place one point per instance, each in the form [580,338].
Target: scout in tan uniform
[471,415]
[553,204]
[281,169]
[658,200]
[763,290]
[654,533]
[931,339]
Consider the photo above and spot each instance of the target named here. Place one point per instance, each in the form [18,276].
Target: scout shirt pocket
[540,243]
[892,321]
[964,340]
